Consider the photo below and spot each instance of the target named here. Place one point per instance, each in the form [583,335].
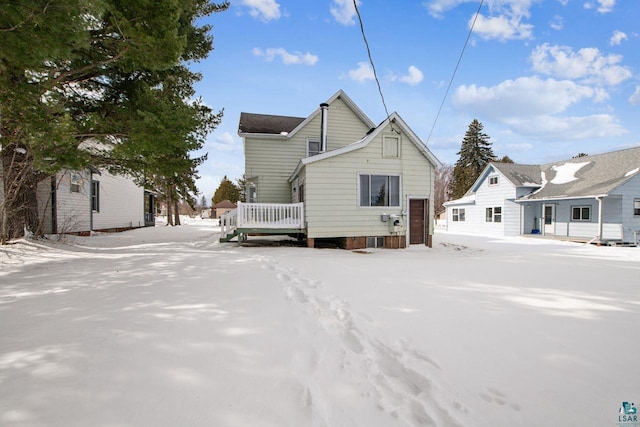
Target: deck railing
[271,215]
[266,216]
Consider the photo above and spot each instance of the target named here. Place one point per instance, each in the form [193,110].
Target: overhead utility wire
[456,69]
[373,67]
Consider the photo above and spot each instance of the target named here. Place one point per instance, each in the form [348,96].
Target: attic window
[391,147]
[493,180]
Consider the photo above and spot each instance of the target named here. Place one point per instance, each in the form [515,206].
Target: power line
[456,69]
[373,67]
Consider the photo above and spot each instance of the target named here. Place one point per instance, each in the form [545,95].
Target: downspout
[323,126]
[90,201]
[599,199]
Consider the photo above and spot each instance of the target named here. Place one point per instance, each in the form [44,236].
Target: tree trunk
[168,202]
[176,211]
[19,209]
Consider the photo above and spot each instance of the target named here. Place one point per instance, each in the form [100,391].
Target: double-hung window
[75,183]
[636,207]
[581,213]
[458,215]
[493,214]
[314,147]
[379,190]
[95,196]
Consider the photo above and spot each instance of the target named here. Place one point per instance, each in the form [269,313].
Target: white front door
[549,219]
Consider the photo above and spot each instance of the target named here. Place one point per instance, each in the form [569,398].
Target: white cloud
[532,106]
[606,6]
[225,142]
[502,27]
[505,20]
[569,128]
[344,11]
[557,23]
[362,73]
[287,58]
[617,38]
[523,97]
[414,76]
[588,64]
[635,98]
[265,10]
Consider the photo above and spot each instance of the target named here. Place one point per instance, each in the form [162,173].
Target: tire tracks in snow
[401,380]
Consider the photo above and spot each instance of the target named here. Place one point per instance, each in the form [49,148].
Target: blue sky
[548,79]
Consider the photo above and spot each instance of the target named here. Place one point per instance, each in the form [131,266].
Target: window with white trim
[95,196]
[391,147]
[314,147]
[636,207]
[75,183]
[458,214]
[493,214]
[580,213]
[493,180]
[379,190]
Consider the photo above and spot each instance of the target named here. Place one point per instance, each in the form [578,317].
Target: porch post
[599,199]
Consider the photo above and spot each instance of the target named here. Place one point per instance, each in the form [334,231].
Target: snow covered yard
[166,327]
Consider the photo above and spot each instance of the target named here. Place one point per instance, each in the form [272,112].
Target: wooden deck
[263,218]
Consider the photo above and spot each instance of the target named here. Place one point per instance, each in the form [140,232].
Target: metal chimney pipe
[324,107]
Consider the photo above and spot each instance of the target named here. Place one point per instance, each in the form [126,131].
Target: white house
[92,200]
[336,176]
[591,198]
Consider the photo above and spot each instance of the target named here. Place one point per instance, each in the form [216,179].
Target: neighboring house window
[494,214]
[252,194]
[458,214]
[391,147]
[581,213]
[636,207]
[493,180]
[75,183]
[314,147]
[379,190]
[95,196]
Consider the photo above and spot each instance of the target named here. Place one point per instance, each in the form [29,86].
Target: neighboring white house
[92,200]
[345,179]
[594,197]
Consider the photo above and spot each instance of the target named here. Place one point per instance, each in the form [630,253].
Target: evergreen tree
[109,71]
[227,190]
[475,153]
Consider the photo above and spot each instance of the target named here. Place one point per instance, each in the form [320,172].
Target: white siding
[332,199]
[499,195]
[273,160]
[72,209]
[629,191]
[121,203]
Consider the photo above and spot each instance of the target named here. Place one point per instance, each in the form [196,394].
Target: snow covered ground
[165,326]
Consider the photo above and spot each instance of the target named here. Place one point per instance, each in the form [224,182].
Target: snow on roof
[567,172]
[632,172]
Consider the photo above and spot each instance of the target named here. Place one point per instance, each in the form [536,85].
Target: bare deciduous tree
[442,180]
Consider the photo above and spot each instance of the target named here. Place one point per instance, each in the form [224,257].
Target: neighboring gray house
[591,198]
[336,176]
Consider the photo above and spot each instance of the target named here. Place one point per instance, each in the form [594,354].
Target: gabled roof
[520,175]
[581,177]
[395,120]
[271,126]
[225,204]
[587,176]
